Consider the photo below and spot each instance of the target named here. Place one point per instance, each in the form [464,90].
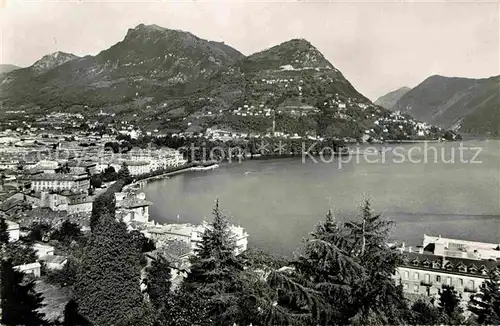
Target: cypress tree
[108,282]
[20,301]
[486,303]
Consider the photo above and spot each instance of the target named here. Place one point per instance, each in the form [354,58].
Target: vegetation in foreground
[340,275]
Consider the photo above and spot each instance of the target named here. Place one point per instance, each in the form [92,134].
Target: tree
[124,172]
[67,232]
[4,233]
[109,174]
[66,276]
[158,281]
[486,303]
[108,281]
[214,272]
[20,253]
[449,305]
[20,301]
[183,308]
[351,266]
[424,313]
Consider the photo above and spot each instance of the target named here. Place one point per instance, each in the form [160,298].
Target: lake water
[279,201]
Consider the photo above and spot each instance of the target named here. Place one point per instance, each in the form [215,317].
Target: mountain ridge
[452,102]
[390,99]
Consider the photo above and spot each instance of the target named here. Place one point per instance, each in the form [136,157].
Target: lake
[279,201]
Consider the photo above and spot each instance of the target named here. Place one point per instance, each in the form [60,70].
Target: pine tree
[108,281]
[4,233]
[486,303]
[158,280]
[20,301]
[215,268]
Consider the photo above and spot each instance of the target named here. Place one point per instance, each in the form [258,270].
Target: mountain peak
[52,60]
[291,55]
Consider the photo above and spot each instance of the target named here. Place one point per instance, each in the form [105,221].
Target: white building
[132,207]
[32,268]
[463,265]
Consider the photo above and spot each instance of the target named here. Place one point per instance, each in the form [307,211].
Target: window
[427,278]
[438,278]
[416,276]
[460,282]
[448,280]
[471,285]
[406,275]
[415,288]
[405,286]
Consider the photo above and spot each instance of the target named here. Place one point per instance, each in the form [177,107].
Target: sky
[379,46]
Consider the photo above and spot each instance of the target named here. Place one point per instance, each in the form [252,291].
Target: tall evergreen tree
[215,268]
[486,303]
[108,281]
[20,301]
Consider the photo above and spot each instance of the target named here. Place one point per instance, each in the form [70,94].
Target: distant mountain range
[465,104]
[171,75]
[389,100]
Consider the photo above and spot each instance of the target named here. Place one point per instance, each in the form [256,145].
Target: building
[192,235]
[56,181]
[461,248]
[132,207]
[68,201]
[446,262]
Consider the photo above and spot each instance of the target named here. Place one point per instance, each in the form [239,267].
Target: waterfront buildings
[463,265]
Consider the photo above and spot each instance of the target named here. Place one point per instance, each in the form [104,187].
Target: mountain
[6,68]
[458,103]
[51,61]
[390,99]
[150,60]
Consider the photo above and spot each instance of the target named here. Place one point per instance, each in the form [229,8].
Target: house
[32,268]
[132,207]
[54,262]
